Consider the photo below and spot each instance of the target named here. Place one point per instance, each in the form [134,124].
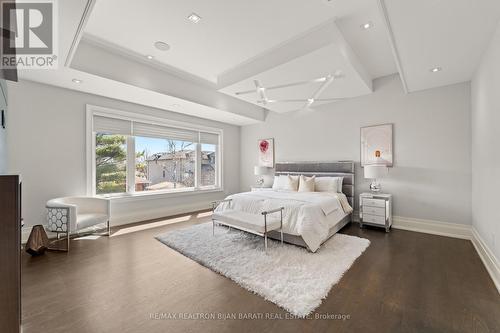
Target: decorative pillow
[286,183]
[293,183]
[326,184]
[306,184]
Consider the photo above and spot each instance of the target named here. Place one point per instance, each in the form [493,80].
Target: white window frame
[92,110]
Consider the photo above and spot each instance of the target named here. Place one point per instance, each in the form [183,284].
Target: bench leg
[265,241]
[281,226]
[213,227]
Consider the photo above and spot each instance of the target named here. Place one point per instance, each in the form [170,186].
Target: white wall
[46,136]
[432,174]
[485,143]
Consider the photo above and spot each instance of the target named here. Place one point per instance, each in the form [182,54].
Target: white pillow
[286,183]
[306,184]
[328,184]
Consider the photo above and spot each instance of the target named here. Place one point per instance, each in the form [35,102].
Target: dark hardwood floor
[130,282]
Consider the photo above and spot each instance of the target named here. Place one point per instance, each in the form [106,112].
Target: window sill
[159,194]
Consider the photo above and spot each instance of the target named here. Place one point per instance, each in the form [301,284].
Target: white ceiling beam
[387,23]
[79,31]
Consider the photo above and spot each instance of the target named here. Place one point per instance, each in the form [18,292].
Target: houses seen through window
[208,171]
[163,164]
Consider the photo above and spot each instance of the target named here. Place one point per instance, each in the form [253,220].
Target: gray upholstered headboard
[322,169]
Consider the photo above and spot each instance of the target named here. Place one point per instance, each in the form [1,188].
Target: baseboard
[489,259]
[25,233]
[454,230]
[428,226]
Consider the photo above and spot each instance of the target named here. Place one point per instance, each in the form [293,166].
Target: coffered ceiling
[243,59]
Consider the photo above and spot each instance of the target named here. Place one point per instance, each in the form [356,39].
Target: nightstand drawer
[374,219]
[379,211]
[374,202]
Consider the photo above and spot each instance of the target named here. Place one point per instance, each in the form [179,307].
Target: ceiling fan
[325,82]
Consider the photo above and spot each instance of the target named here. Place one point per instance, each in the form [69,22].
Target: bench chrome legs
[265,232]
[281,225]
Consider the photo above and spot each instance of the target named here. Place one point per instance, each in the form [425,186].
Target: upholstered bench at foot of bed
[246,221]
[258,224]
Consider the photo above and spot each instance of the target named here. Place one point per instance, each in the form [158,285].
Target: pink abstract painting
[266,153]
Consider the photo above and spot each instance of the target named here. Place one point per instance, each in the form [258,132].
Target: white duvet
[306,214]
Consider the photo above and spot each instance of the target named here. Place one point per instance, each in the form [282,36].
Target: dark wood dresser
[10,254]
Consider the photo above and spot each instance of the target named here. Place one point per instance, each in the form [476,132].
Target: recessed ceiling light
[195,18]
[436,69]
[76,81]
[150,57]
[162,46]
[367,25]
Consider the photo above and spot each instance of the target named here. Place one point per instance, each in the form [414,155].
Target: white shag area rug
[287,275]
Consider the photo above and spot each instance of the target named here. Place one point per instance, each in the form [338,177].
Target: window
[131,154]
[110,163]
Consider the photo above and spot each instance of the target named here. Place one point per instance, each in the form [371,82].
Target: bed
[309,218]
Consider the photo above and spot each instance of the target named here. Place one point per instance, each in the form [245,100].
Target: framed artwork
[376,145]
[266,152]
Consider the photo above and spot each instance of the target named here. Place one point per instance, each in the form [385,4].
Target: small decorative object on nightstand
[260,171]
[375,210]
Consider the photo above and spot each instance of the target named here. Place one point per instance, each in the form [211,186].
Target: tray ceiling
[235,47]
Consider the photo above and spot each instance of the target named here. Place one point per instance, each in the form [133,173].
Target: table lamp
[375,172]
[260,171]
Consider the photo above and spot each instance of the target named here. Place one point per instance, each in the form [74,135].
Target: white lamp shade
[260,170]
[375,171]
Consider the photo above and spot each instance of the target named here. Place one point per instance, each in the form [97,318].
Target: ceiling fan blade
[330,99]
[258,88]
[244,92]
[287,85]
[293,84]
[283,101]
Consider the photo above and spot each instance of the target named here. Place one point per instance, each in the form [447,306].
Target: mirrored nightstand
[375,210]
